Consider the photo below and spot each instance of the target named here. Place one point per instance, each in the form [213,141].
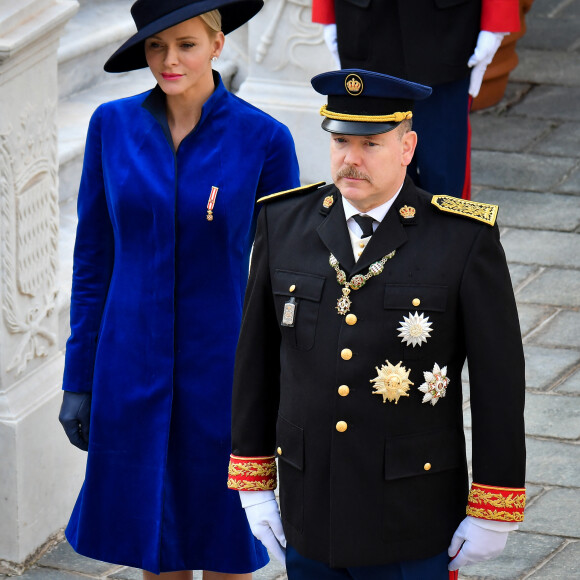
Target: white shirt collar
[378,213]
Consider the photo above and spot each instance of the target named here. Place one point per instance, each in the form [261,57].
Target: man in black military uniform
[364,300]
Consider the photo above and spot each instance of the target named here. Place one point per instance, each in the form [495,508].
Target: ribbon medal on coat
[211,203]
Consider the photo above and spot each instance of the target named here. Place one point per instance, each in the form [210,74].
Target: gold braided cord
[394,118]
[497,500]
[265,485]
[497,515]
[252,469]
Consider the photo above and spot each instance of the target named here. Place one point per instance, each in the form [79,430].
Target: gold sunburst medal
[392,382]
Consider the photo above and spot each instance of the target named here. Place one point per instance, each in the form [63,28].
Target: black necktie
[366,224]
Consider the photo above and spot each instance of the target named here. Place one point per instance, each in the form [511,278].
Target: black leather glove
[75,417]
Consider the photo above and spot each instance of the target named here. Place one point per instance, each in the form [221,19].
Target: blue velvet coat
[155,314]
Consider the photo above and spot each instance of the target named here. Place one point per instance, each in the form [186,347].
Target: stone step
[89,39]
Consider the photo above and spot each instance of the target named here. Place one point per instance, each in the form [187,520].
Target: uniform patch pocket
[298,284]
[306,289]
[423,453]
[415,297]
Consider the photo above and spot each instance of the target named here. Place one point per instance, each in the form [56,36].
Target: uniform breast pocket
[419,308]
[298,298]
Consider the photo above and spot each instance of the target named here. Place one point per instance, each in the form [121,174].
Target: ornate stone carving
[294,15]
[29,234]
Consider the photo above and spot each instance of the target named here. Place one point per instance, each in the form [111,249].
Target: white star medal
[435,385]
[415,329]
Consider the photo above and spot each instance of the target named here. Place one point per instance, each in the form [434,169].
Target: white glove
[479,540]
[332,42]
[264,518]
[485,49]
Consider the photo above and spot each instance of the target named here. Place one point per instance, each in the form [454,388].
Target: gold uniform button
[343,390]
[292,288]
[346,353]
[427,466]
[279,451]
[341,426]
[416,302]
[351,319]
[362,245]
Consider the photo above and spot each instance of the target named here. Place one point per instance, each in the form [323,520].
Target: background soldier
[434,42]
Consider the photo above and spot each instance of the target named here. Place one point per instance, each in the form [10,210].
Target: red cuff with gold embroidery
[504,504]
[252,473]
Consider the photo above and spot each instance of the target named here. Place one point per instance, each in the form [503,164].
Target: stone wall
[36,461]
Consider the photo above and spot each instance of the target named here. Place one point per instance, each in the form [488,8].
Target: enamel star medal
[344,302]
[392,382]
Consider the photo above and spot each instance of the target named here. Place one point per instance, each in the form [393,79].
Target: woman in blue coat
[167,213]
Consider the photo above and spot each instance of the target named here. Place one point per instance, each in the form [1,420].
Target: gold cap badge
[353,84]
[328,201]
[407,212]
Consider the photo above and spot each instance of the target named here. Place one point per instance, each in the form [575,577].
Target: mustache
[351,172]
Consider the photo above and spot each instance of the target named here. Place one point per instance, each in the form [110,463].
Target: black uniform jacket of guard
[425,41]
[366,496]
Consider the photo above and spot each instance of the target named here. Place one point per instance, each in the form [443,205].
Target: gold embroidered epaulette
[484,212]
[292,192]
[503,504]
[252,473]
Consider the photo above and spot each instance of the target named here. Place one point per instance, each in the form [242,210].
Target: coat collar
[389,236]
[156,104]
[333,232]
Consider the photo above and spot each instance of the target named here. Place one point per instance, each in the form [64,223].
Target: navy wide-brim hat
[362,102]
[153,16]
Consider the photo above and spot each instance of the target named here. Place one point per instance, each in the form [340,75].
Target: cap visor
[356,127]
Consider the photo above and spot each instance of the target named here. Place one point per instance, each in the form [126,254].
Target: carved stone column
[286,50]
[38,471]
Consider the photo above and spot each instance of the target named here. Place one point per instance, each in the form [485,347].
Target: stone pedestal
[40,472]
[285,51]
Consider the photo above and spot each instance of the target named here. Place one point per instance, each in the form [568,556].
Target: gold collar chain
[356,282]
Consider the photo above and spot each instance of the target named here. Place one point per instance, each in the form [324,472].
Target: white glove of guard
[479,540]
[485,49]
[332,42]
[264,518]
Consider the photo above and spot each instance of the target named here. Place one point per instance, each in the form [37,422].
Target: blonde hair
[213,20]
